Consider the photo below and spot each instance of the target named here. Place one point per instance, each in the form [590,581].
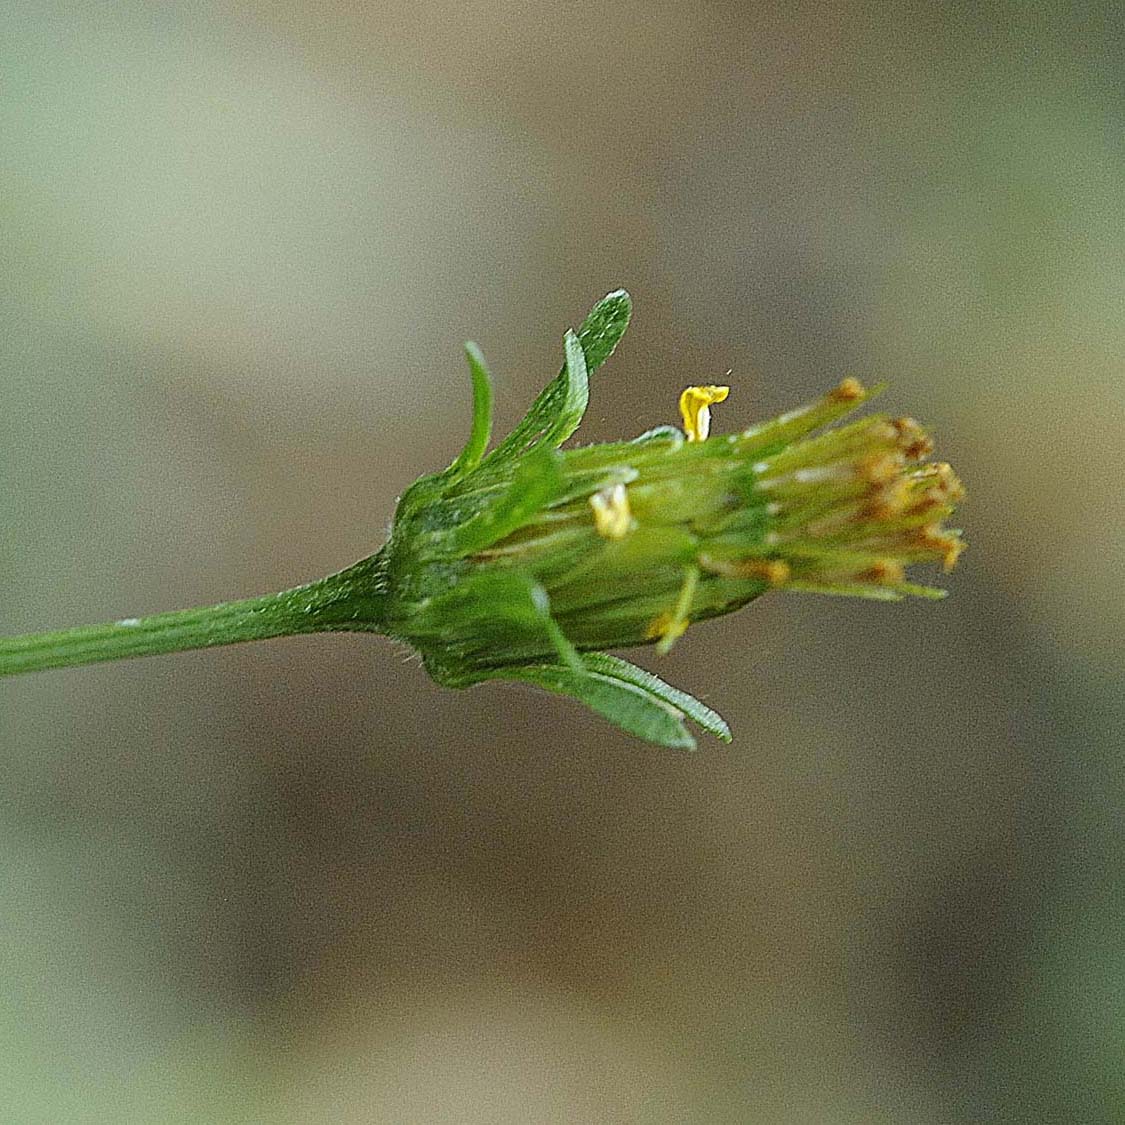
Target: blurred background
[297,882]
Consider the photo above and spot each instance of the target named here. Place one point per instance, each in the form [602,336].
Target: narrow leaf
[575,394]
[698,712]
[482,412]
[555,414]
[626,705]
[604,326]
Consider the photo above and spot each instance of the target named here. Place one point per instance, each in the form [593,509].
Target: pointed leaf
[575,394]
[698,712]
[555,414]
[627,706]
[482,412]
[604,326]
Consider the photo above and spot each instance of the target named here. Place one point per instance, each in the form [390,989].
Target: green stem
[252,619]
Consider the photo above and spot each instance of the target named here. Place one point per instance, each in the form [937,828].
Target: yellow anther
[953,551]
[612,517]
[938,480]
[774,571]
[695,407]
[890,500]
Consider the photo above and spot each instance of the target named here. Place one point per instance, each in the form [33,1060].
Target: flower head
[527,562]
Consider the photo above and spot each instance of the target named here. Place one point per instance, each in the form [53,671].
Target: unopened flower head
[529,561]
[641,538]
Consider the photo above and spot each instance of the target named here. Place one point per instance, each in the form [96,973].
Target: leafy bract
[710,721]
[536,481]
[507,607]
[627,706]
[481,430]
[555,414]
[631,698]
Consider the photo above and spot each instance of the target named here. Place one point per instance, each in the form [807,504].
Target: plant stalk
[251,619]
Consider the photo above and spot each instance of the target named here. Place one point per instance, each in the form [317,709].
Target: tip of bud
[524,562]
[850,509]
[914,442]
[848,390]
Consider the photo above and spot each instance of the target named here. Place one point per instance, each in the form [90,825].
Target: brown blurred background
[297,882]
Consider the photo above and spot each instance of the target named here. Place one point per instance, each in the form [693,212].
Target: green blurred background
[297,882]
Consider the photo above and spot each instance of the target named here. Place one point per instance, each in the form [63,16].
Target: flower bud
[526,563]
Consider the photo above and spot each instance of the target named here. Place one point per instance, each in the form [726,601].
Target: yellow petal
[695,406]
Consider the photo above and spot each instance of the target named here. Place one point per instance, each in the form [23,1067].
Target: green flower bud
[527,562]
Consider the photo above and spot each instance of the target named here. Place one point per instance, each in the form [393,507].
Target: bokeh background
[297,882]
